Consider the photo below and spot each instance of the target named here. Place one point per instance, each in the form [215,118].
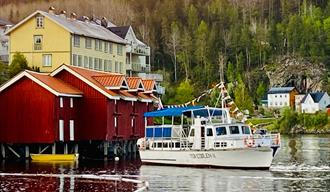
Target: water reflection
[303,164]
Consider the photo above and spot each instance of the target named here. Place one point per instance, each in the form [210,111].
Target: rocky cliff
[301,73]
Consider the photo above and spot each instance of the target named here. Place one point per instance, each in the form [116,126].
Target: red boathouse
[73,107]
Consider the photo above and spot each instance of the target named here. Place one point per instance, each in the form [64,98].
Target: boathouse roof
[277,90]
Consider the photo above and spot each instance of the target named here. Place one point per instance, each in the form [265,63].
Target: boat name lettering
[202,155]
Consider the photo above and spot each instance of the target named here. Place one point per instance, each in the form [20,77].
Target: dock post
[76,148]
[27,151]
[3,151]
[54,148]
[65,148]
[105,148]
[125,147]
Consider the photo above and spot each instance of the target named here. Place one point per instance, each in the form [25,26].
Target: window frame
[44,60]
[76,40]
[37,46]
[40,22]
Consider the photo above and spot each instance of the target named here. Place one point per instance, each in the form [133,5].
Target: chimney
[63,14]
[51,10]
[104,22]
[85,19]
[73,16]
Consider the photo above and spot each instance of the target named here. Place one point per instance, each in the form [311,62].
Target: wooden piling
[3,151]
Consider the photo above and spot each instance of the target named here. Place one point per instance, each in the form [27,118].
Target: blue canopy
[197,111]
[171,111]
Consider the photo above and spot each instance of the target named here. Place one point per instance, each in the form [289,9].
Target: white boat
[206,137]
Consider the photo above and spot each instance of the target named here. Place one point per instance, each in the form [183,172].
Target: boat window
[209,132]
[217,144]
[177,145]
[192,133]
[159,145]
[154,145]
[223,144]
[221,131]
[165,145]
[246,130]
[234,129]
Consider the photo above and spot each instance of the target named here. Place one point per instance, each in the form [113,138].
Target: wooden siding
[92,122]
[27,113]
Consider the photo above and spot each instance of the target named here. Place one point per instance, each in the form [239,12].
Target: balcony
[138,49]
[155,76]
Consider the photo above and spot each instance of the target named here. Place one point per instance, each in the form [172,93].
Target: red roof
[110,80]
[56,84]
[148,84]
[90,74]
[134,82]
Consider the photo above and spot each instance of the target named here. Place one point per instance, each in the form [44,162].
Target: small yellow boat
[54,157]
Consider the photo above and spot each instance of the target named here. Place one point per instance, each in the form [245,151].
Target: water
[303,164]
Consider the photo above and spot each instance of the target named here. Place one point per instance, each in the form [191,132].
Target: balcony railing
[37,46]
[160,90]
[138,49]
[155,76]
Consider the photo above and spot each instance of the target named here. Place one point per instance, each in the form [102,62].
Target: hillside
[189,37]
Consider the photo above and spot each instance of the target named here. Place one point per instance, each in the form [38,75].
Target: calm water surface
[303,164]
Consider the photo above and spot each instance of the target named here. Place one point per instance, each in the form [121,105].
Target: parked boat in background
[205,137]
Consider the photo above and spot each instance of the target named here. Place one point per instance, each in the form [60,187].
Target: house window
[116,67]
[71,102]
[76,41]
[275,103]
[96,63]
[107,65]
[61,102]
[286,103]
[119,50]
[285,96]
[121,67]
[101,64]
[97,42]
[85,61]
[71,130]
[79,60]
[110,48]
[100,45]
[47,60]
[106,45]
[90,63]
[40,21]
[271,103]
[88,43]
[74,60]
[281,96]
[275,96]
[37,42]
[61,130]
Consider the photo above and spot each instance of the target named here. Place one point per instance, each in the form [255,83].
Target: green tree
[242,97]
[4,73]
[184,93]
[18,64]
[261,91]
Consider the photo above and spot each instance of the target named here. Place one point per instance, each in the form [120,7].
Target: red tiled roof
[148,84]
[56,84]
[133,82]
[110,80]
[126,94]
[89,74]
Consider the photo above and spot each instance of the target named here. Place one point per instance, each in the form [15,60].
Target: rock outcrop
[300,73]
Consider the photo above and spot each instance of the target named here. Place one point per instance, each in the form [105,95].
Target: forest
[192,40]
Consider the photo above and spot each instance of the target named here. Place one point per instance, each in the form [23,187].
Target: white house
[298,99]
[4,26]
[279,97]
[313,102]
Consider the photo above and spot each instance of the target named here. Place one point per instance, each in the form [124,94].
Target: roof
[77,27]
[56,84]
[4,22]
[149,85]
[317,96]
[112,81]
[120,31]
[135,83]
[86,75]
[276,90]
[53,85]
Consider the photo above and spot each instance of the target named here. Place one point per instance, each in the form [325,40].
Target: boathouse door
[209,139]
[202,137]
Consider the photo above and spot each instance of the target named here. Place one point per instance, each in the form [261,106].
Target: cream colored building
[48,40]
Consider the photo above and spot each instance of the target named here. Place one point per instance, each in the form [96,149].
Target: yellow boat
[54,157]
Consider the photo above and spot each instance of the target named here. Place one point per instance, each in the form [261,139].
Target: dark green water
[303,164]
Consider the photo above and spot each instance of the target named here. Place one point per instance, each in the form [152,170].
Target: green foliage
[18,64]
[4,74]
[242,97]
[309,122]
[183,93]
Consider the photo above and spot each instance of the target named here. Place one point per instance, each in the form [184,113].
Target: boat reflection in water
[71,176]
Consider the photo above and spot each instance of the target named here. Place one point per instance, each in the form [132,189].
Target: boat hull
[54,157]
[247,158]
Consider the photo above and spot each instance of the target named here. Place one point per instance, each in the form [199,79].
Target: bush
[18,64]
